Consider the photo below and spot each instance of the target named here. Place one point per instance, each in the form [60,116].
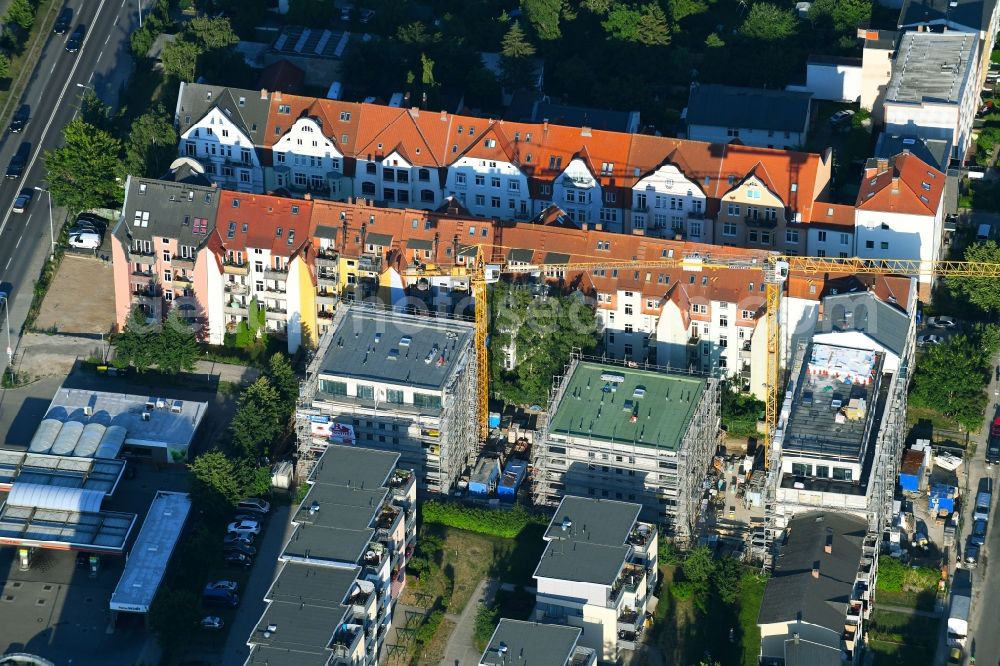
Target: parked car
[345,13]
[64,21]
[238,560]
[213,622]
[367,15]
[971,554]
[841,117]
[978,533]
[85,240]
[244,527]
[929,340]
[227,585]
[22,201]
[234,537]
[246,549]
[91,222]
[20,119]
[220,598]
[254,505]
[941,322]
[75,41]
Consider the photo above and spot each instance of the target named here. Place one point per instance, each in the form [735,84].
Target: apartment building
[516,641]
[162,252]
[625,433]
[263,247]
[934,89]
[841,426]
[820,595]
[395,382]
[900,213]
[343,568]
[753,116]
[597,572]
[413,158]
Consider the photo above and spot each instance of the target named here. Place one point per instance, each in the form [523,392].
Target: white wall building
[666,203]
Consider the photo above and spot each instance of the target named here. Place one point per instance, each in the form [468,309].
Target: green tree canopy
[214,481]
[86,171]
[983,292]
[211,33]
[950,379]
[176,345]
[180,58]
[681,9]
[727,580]
[151,144]
[653,27]
[415,34]
[134,346]
[259,419]
[282,377]
[544,17]
[21,13]
[4,66]
[768,23]
[516,61]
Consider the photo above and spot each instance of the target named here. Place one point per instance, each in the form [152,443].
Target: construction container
[942,497]
[484,477]
[513,474]
[911,471]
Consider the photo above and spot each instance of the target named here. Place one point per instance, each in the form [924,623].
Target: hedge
[505,523]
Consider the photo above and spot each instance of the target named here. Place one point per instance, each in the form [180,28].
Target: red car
[995,428]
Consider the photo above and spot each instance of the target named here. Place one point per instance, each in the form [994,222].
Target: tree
[599,7]
[768,23]
[283,379]
[259,419]
[699,566]
[516,61]
[414,34]
[172,617]
[713,41]
[133,345]
[4,66]
[151,144]
[983,292]
[544,17]
[681,9]
[176,345]
[211,33]
[949,379]
[86,171]
[21,13]
[180,57]
[427,71]
[622,23]
[653,27]
[727,579]
[96,112]
[214,482]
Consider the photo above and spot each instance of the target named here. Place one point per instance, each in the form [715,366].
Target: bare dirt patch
[81,298]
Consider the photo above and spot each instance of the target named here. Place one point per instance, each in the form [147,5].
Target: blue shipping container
[909,482]
[513,474]
[484,478]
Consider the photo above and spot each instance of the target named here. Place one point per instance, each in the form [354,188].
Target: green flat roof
[595,406]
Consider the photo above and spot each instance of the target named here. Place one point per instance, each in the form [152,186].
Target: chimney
[585,131]
[444,116]
[828,548]
[414,112]
[638,232]
[584,226]
[307,196]
[277,95]
[263,93]
[882,164]
[598,226]
[545,124]
[815,571]
[795,637]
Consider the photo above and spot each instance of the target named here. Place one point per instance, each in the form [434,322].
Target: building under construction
[642,435]
[397,382]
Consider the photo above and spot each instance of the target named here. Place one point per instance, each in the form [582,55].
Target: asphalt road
[53,94]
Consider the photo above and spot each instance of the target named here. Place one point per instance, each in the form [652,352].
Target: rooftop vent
[145,416]
[378,338]
[502,648]
[270,629]
[393,355]
[405,341]
[566,523]
[614,377]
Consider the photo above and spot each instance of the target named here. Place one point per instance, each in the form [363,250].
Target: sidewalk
[460,650]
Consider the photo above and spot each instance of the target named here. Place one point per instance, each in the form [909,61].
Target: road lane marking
[8,263]
[18,244]
[48,124]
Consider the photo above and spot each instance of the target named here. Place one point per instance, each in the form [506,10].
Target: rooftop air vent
[566,523]
[405,341]
[502,648]
[614,377]
[393,355]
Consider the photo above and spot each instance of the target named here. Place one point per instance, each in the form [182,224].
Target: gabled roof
[282,76]
[904,184]
[793,593]
[264,222]
[833,216]
[751,108]
[247,109]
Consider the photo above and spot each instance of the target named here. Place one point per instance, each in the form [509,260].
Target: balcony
[235,288]
[760,222]
[345,642]
[141,257]
[629,580]
[640,537]
[326,258]
[360,600]
[146,297]
[273,273]
[148,273]
[235,308]
[234,268]
[182,263]
[746,350]
[370,264]
[375,555]
[326,297]
[326,279]
[629,620]
[275,313]
[325,314]
[181,283]
[276,293]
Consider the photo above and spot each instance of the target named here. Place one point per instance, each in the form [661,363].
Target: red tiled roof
[905,185]
[263,216]
[837,216]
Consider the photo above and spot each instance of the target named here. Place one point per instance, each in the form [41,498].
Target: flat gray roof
[931,67]
[395,348]
[593,547]
[171,423]
[530,643]
[151,552]
[266,655]
[352,465]
[816,426]
[317,586]
[104,531]
[70,472]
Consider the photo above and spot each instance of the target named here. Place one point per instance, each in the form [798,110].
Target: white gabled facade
[228,154]
[665,203]
[305,159]
[578,193]
[489,188]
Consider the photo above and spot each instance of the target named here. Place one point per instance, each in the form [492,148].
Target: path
[460,650]
[909,611]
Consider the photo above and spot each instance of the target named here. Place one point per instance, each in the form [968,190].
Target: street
[53,94]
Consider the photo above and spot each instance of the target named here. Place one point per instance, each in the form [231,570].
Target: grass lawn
[903,640]
[919,600]
[922,417]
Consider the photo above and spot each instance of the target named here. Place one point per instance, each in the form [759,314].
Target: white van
[984,233]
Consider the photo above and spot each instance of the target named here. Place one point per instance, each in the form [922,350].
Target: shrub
[501,523]
[430,626]
[486,622]
[682,591]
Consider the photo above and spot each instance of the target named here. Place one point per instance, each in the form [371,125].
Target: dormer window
[236,203]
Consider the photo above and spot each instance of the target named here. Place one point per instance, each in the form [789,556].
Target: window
[753,193]
[628,309]
[733,209]
[284,108]
[845,239]
[426,400]
[628,349]
[460,179]
[884,245]
[746,314]
[821,236]
[823,471]
[141,218]
[555,162]
[728,229]
[495,182]
[331,387]
[724,322]
[843,474]
[480,180]
[870,245]
[366,392]
[345,116]
[166,256]
[801,469]
[732,131]
[480,200]
[393,396]
[821,253]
